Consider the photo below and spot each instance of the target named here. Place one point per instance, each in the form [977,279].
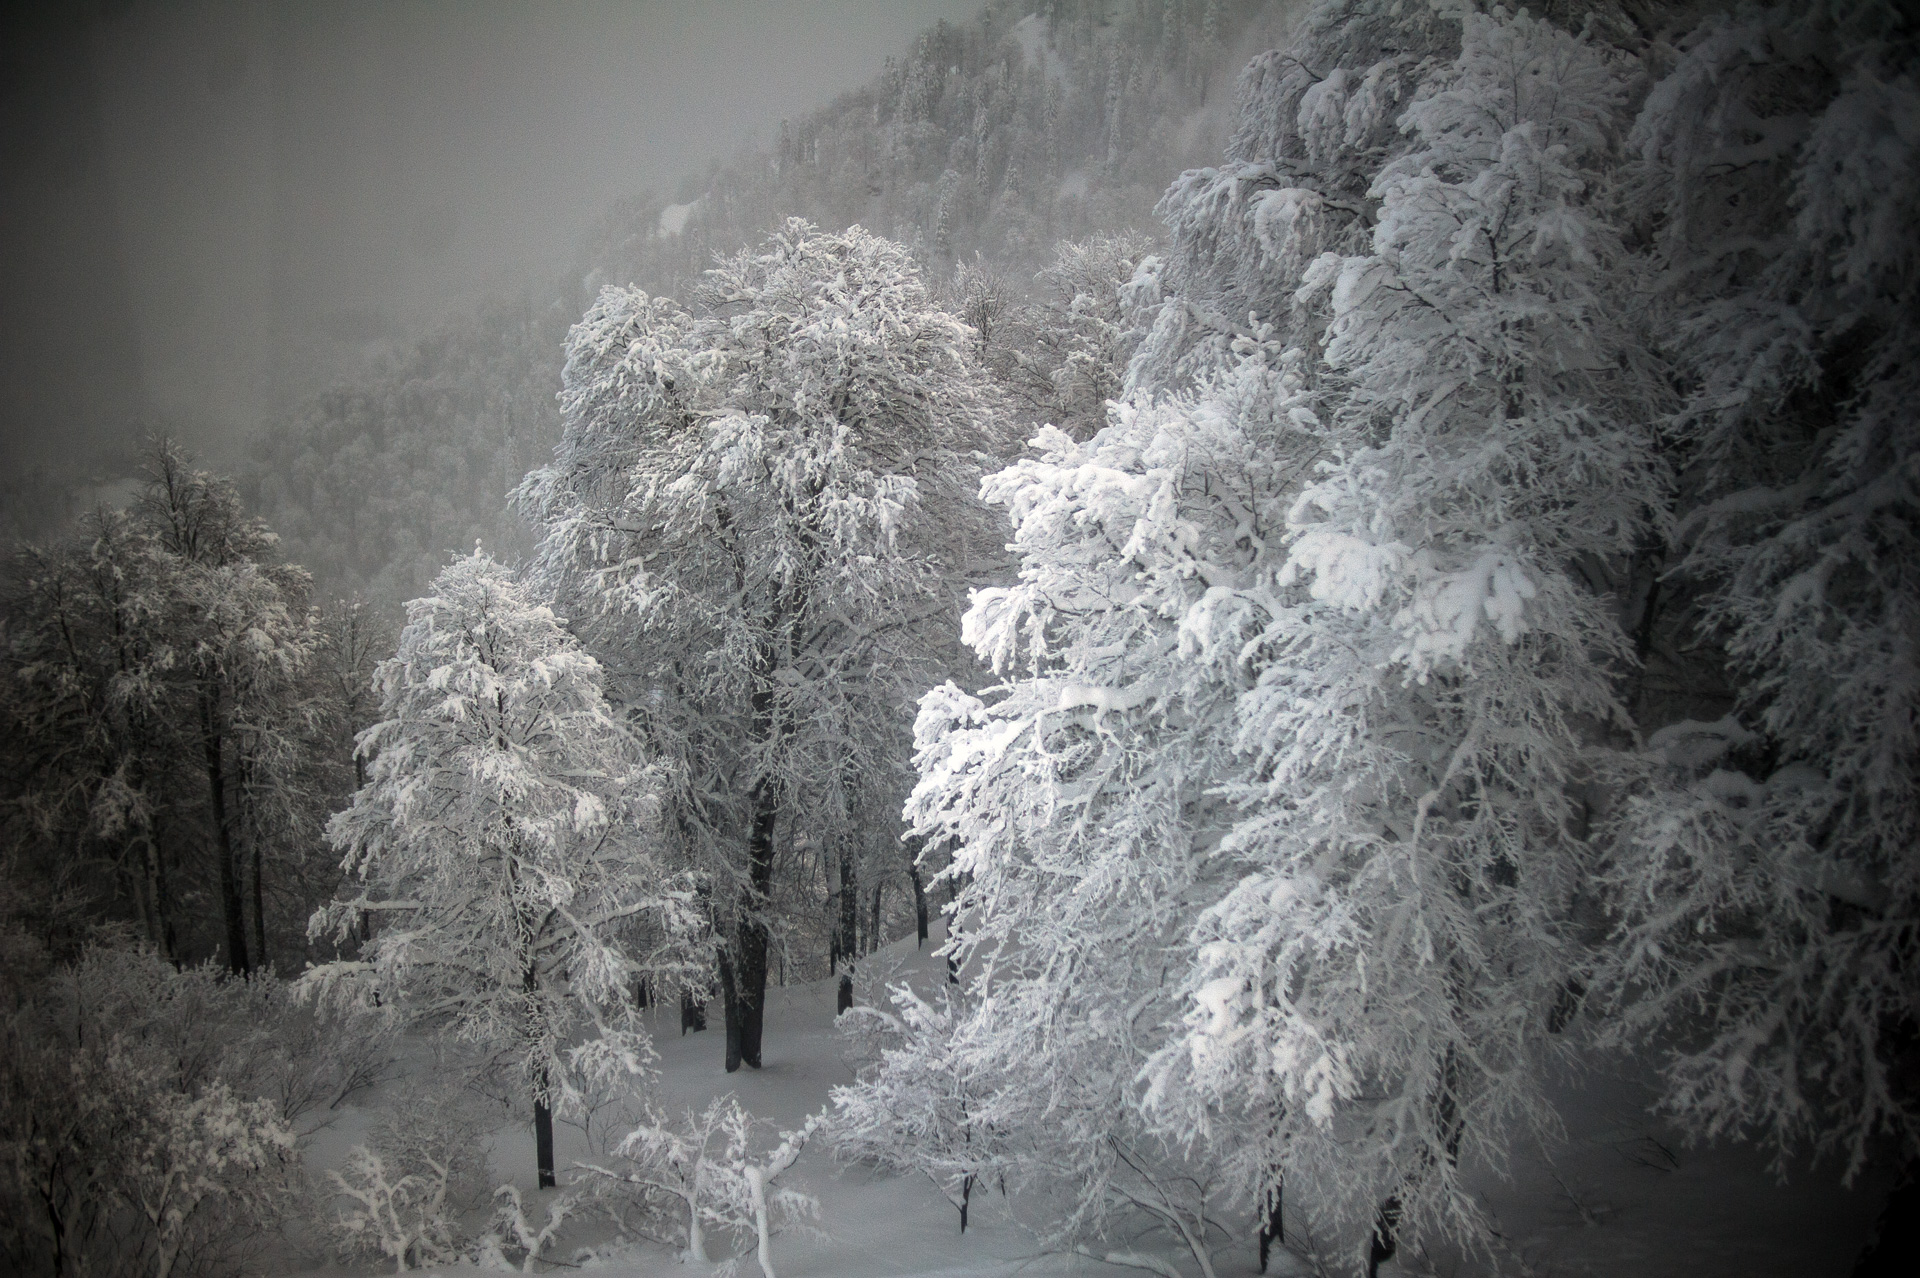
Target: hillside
[1620,1190]
[985,144]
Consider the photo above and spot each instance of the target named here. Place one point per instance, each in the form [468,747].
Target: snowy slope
[1620,1196]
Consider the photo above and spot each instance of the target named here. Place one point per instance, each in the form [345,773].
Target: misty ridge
[1200,637]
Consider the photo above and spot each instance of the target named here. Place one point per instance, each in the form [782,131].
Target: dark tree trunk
[748,1000]
[543,1139]
[1272,1229]
[259,908]
[1452,1120]
[57,1224]
[1386,1236]
[966,1199]
[919,902]
[230,900]
[161,933]
[1386,1228]
[847,939]
[874,939]
[730,1012]
[843,999]
[693,1013]
[542,1086]
[1880,1258]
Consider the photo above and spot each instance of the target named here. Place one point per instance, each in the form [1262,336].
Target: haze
[205,204]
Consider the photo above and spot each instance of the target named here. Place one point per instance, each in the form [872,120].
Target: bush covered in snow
[714,1169]
[401,1192]
[146,1117]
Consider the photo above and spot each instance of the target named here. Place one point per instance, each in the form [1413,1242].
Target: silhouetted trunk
[230,899]
[730,1012]
[847,937]
[1272,1230]
[1880,1258]
[874,939]
[919,902]
[1386,1226]
[1386,1236]
[543,1137]
[843,999]
[160,929]
[747,1001]
[259,902]
[966,1198]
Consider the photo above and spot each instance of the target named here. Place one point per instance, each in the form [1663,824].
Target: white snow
[1622,1195]
[673,218]
[1030,33]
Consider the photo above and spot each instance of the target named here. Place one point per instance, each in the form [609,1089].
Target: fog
[204,204]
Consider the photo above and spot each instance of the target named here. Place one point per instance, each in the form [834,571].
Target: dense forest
[1328,584]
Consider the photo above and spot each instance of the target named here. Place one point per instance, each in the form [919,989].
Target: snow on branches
[706,1164]
[761,509]
[1765,871]
[506,840]
[1310,657]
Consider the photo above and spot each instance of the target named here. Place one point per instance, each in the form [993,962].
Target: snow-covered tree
[767,505]
[914,1108]
[158,709]
[143,1126]
[1074,801]
[505,838]
[1315,652]
[242,636]
[1764,866]
[1316,120]
[401,1192]
[1063,352]
[706,1166]
[1438,651]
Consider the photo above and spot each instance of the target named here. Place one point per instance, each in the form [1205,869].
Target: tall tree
[92,754]
[1764,867]
[505,837]
[1438,648]
[241,636]
[160,655]
[1312,657]
[768,505]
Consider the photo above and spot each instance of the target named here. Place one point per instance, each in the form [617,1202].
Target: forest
[1130,650]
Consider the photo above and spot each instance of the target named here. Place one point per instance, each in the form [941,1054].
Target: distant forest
[984,149]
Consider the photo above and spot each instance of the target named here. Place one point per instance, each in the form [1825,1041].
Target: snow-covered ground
[1620,1196]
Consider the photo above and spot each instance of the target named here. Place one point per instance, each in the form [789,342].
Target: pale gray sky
[186,188]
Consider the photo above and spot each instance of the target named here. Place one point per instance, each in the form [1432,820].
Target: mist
[210,208]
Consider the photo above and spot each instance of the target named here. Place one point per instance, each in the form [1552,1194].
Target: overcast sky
[186,189]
